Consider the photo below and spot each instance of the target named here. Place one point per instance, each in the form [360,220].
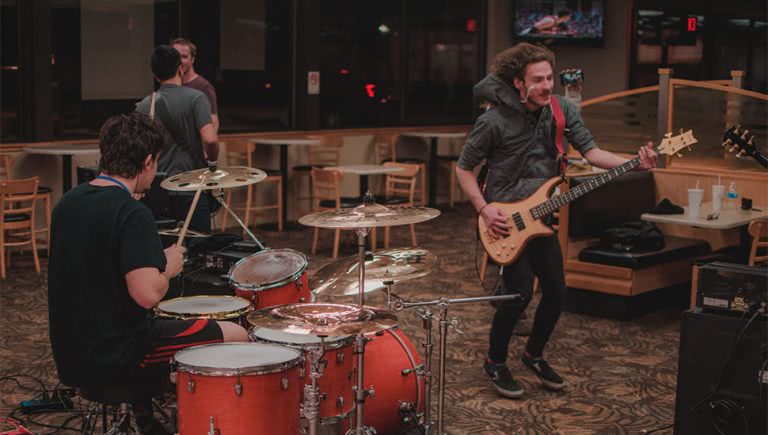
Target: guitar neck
[761,158]
[554,204]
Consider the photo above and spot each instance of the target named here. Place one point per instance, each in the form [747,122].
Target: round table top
[365,169]
[438,134]
[285,141]
[63,149]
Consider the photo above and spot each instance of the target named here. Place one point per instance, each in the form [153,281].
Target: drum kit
[316,352]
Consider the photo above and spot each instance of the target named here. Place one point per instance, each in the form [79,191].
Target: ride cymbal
[341,278]
[369,215]
[323,319]
[222,178]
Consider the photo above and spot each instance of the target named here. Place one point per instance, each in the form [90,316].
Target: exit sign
[692,24]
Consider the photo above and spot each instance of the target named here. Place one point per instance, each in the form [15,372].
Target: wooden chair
[17,217]
[386,151]
[241,151]
[452,160]
[43,193]
[326,154]
[326,193]
[400,190]
[758,229]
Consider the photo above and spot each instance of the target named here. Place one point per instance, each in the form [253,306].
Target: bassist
[517,137]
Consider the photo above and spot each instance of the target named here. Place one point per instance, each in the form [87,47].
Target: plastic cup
[718,193]
[695,196]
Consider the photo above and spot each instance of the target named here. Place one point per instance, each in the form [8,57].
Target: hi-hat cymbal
[323,319]
[369,215]
[223,178]
[341,278]
[175,233]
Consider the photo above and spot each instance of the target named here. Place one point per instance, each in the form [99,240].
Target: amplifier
[735,289]
[222,260]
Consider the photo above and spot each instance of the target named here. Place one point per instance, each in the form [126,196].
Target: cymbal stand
[400,304]
[311,406]
[237,218]
[360,391]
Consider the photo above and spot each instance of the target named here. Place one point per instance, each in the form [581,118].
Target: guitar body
[522,226]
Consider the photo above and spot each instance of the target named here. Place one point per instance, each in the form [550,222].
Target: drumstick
[189,216]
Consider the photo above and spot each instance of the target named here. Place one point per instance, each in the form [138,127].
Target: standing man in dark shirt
[516,137]
[190,134]
[108,269]
[188,51]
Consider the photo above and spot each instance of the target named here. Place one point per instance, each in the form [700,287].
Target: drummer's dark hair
[126,140]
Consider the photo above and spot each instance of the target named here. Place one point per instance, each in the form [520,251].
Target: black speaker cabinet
[739,405]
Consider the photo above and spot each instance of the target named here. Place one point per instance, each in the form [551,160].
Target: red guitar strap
[557,113]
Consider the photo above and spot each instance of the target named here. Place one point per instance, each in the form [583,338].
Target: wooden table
[66,151]
[729,218]
[283,143]
[433,136]
[364,171]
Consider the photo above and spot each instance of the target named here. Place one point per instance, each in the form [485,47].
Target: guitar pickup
[517,218]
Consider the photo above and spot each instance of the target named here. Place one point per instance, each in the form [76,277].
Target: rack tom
[272,277]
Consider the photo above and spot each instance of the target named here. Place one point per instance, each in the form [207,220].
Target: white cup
[718,193]
[694,202]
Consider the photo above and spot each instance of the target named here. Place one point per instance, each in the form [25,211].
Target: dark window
[9,71]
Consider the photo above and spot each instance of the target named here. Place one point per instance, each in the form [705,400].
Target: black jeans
[541,257]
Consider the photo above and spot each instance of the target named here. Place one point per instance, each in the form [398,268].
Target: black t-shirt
[98,234]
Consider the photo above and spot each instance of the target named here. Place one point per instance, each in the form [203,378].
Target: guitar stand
[399,304]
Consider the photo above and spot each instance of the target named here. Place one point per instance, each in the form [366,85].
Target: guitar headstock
[672,145]
[738,138]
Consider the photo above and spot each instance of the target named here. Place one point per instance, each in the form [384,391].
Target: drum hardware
[311,405]
[238,220]
[400,304]
[212,428]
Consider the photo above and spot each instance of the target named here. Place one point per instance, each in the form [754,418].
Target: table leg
[432,171]
[66,171]
[284,182]
[363,185]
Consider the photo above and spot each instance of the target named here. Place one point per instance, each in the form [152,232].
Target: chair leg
[314,240]
[47,199]
[483,265]
[423,199]
[228,200]
[373,238]
[2,252]
[413,236]
[386,237]
[280,205]
[336,239]
[452,194]
[34,246]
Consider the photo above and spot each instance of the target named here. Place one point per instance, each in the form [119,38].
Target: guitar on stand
[525,217]
[738,138]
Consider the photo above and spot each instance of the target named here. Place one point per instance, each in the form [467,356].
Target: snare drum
[238,389]
[272,277]
[205,307]
[336,394]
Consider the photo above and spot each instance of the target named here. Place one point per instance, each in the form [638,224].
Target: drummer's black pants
[542,258]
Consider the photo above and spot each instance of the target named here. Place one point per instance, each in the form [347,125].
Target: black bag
[633,237]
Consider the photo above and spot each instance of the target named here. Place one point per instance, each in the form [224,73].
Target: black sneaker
[545,373]
[502,379]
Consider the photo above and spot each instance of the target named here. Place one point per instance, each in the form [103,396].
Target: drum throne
[121,405]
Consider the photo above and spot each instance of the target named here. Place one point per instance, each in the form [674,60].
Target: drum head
[267,269]
[231,359]
[297,340]
[213,307]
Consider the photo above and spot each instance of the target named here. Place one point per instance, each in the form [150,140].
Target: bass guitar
[525,216]
[738,138]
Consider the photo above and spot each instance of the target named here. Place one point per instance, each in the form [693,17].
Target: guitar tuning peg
[732,149]
[680,156]
[668,135]
[681,131]
[740,153]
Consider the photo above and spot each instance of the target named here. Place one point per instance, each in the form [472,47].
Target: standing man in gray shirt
[191,140]
[516,137]
[188,51]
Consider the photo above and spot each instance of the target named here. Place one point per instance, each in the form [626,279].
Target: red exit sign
[692,24]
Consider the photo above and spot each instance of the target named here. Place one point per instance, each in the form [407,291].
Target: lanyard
[118,182]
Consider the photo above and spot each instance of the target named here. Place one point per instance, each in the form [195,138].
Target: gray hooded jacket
[518,145]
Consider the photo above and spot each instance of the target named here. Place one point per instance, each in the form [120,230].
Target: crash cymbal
[223,178]
[323,319]
[175,233]
[341,278]
[369,215]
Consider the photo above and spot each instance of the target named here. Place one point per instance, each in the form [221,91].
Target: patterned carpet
[621,375]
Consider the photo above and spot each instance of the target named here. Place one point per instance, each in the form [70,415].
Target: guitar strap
[557,113]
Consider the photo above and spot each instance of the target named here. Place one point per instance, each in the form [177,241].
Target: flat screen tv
[578,21]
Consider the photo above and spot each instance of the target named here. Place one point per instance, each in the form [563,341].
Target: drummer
[107,270]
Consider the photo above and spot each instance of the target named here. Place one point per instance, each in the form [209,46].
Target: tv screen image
[559,19]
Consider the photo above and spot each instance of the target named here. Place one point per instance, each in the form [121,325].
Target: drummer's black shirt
[98,332]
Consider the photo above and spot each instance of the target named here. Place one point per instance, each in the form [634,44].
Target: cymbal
[369,215]
[223,178]
[176,231]
[341,278]
[323,319]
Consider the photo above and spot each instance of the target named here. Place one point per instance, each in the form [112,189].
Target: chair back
[238,152]
[328,153]
[18,196]
[326,185]
[385,147]
[402,183]
[758,230]
[6,166]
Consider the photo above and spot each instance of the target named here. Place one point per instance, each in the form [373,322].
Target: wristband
[481,208]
